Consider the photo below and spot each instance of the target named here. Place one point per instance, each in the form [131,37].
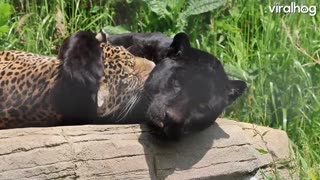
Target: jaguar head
[188,90]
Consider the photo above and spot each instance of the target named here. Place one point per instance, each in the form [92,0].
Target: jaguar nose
[173,116]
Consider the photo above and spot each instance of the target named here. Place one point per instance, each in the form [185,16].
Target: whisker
[128,107]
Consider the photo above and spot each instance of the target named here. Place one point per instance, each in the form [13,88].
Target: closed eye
[176,86]
[203,107]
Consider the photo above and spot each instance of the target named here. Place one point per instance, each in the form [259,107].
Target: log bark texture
[226,150]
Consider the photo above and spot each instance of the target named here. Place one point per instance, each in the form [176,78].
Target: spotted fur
[27,81]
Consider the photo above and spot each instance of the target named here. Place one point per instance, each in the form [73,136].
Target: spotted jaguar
[37,90]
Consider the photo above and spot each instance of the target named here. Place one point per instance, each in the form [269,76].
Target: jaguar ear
[235,89]
[179,44]
[102,36]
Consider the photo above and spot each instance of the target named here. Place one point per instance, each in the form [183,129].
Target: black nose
[173,116]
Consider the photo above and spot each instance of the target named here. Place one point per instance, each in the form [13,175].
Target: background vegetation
[276,54]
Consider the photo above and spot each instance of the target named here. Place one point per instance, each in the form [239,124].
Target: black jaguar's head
[188,90]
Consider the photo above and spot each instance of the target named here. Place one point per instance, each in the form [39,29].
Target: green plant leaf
[201,6]
[115,29]
[4,29]
[6,11]
[175,6]
[158,7]
[264,133]
[262,151]
[95,9]
[237,72]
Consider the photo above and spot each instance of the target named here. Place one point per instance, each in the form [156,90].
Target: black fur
[152,46]
[82,58]
[187,90]
[76,90]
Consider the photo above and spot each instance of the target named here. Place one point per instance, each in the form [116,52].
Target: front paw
[82,59]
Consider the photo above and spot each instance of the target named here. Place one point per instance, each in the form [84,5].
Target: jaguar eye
[176,86]
[203,107]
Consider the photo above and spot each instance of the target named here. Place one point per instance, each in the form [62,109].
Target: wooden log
[228,149]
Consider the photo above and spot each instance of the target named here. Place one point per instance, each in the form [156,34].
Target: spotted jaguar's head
[122,83]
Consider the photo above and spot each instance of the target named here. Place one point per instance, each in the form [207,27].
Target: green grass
[275,53]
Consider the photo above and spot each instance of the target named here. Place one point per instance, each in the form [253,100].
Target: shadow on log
[227,150]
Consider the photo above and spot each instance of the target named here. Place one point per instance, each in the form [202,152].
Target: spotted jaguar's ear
[179,44]
[235,89]
[102,36]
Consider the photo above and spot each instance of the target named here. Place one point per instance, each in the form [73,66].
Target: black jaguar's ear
[102,36]
[236,88]
[179,44]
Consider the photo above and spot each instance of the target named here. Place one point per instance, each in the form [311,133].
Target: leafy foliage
[6,10]
[179,11]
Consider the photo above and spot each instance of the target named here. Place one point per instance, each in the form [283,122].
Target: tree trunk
[226,150]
